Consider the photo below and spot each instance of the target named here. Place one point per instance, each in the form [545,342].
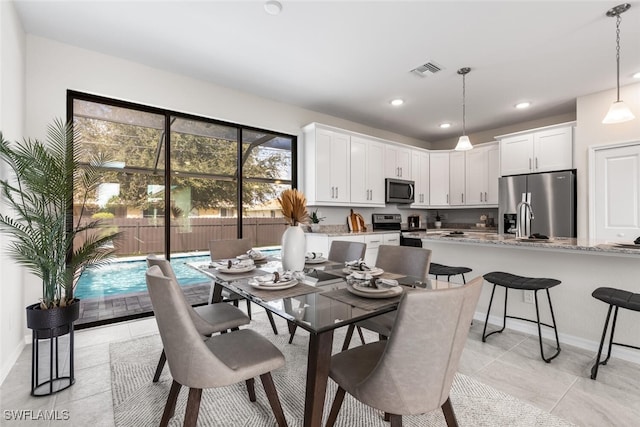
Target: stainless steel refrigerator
[553,201]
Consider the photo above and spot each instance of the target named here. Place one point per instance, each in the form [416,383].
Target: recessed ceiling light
[396,102]
[636,75]
[445,125]
[522,105]
[273,7]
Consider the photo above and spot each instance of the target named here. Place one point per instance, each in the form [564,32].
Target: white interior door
[617,194]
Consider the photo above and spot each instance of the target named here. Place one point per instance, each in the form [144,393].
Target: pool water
[127,277]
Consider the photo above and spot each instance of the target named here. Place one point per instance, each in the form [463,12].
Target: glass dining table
[320,301]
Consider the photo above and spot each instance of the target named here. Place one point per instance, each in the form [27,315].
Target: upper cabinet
[482,170]
[397,162]
[439,178]
[457,178]
[327,166]
[420,174]
[367,177]
[540,150]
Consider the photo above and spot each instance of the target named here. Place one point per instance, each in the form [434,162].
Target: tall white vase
[294,248]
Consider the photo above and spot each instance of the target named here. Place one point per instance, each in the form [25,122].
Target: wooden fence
[146,235]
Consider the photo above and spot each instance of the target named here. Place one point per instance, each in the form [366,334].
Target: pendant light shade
[619,112]
[464,143]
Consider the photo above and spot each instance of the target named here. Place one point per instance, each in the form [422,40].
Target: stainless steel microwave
[399,191]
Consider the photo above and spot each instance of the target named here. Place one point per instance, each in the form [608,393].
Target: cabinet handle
[447,198]
[333,192]
[481,196]
[400,172]
[529,163]
[336,192]
[462,197]
[536,163]
[485,197]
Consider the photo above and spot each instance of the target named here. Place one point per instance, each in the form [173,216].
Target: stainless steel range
[386,222]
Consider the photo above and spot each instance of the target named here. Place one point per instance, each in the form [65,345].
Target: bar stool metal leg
[594,369]
[555,330]
[504,317]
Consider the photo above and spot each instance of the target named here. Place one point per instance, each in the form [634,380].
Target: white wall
[591,109]
[12,108]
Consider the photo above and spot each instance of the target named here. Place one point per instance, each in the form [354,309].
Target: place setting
[359,266]
[367,286]
[254,255]
[233,266]
[314,258]
[274,281]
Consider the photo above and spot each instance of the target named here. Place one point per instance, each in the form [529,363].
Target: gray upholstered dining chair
[208,319]
[219,361]
[231,248]
[343,251]
[340,251]
[405,260]
[410,373]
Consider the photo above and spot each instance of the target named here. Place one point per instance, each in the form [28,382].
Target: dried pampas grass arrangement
[294,207]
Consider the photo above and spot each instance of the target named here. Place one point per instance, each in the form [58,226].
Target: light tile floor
[509,362]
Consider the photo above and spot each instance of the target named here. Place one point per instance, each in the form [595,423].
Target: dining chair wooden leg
[193,407]
[248,309]
[387,416]
[396,420]
[335,407]
[170,406]
[160,367]
[273,323]
[347,338]
[274,401]
[449,415]
[251,389]
[361,335]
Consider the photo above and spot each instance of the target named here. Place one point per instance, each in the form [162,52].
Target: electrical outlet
[528,297]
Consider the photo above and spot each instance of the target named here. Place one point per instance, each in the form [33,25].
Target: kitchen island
[581,266]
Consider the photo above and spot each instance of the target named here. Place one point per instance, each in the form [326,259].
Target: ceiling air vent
[427,69]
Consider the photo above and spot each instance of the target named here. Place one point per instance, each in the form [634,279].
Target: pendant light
[618,112]
[463,142]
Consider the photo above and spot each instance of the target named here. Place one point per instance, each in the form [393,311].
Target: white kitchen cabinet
[420,174]
[397,161]
[457,178]
[541,150]
[439,178]
[482,172]
[367,172]
[327,166]
[615,193]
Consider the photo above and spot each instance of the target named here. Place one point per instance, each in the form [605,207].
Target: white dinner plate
[259,258]
[236,270]
[363,291]
[374,271]
[318,260]
[273,286]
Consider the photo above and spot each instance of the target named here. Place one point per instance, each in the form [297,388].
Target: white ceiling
[349,59]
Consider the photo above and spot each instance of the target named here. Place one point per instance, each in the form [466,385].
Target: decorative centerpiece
[315,221]
[294,244]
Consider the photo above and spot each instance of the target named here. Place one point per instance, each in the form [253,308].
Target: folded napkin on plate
[386,283]
[357,265]
[253,254]
[313,255]
[234,263]
[361,275]
[274,278]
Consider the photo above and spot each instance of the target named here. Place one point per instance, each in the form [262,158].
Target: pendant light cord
[618,19]
[464,132]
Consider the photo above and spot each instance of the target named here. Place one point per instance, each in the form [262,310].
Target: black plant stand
[49,325]
[55,383]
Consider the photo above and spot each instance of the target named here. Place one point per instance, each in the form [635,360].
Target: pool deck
[106,308]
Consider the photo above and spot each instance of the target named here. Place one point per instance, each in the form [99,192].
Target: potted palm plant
[44,238]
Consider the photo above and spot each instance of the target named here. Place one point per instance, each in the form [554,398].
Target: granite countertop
[557,243]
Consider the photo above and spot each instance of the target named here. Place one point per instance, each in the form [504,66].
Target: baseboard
[11,360]
[623,353]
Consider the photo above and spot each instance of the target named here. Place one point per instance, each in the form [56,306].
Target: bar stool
[511,281]
[615,298]
[445,270]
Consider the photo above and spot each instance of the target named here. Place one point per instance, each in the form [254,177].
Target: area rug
[137,401]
